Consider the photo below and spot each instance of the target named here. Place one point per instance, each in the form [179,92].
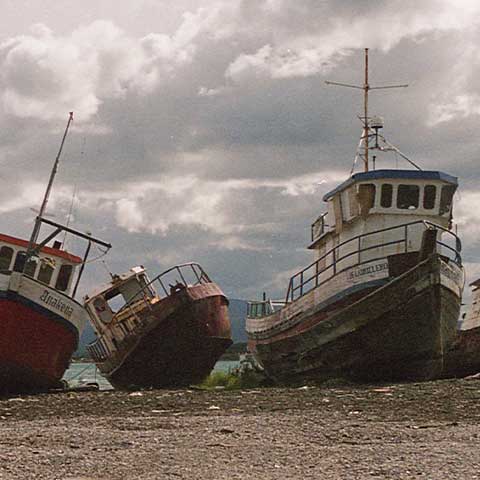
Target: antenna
[38,221]
[366,88]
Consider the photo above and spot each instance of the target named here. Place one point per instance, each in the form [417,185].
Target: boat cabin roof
[54,252]
[117,280]
[392,175]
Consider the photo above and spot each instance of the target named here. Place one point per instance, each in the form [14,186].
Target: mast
[365,111]
[38,220]
[366,88]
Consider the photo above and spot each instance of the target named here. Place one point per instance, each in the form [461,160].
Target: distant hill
[237,310]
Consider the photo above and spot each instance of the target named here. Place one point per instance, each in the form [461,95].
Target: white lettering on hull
[363,270]
[357,275]
[48,298]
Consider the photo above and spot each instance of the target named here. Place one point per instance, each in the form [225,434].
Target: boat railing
[167,283]
[98,350]
[319,271]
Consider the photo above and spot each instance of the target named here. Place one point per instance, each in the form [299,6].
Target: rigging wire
[69,216]
[102,254]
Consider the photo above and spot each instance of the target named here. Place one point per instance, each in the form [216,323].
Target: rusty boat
[40,319]
[381,299]
[165,332]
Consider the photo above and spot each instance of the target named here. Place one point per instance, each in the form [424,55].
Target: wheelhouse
[124,289]
[381,200]
[387,196]
[51,266]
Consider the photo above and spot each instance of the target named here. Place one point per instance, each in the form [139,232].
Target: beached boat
[166,332]
[463,357]
[382,298]
[40,322]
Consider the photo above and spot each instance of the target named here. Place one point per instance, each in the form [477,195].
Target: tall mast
[366,88]
[38,220]
[365,111]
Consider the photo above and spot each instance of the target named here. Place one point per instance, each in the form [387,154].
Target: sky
[204,131]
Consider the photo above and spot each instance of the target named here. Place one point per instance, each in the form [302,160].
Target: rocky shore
[400,431]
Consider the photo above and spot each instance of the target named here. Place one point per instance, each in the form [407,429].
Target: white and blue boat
[381,299]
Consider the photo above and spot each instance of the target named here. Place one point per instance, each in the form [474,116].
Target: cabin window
[19,262]
[102,310]
[386,195]
[446,198]
[366,197]
[45,273]
[408,196]
[116,302]
[31,266]
[6,254]
[429,194]
[63,277]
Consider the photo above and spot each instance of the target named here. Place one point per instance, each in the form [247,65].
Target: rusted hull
[190,332]
[398,331]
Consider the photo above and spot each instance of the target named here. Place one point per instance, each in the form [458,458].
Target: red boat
[40,320]
[167,336]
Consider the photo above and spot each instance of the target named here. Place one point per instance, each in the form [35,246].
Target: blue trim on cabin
[393,174]
[15,297]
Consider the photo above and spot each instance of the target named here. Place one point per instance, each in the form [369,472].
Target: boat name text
[56,303]
[368,270]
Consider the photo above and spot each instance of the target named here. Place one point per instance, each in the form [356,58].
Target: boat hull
[187,333]
[36,341]
[398,331]
[463,358]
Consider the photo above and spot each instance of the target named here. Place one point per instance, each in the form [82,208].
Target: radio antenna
[366,87]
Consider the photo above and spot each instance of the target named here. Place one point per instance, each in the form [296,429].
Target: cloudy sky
[204,130]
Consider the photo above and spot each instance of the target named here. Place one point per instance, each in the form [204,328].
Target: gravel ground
[401,431]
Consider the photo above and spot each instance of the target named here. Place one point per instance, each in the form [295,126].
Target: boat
[40,319]
[463,357]
[165,332]
[382,298]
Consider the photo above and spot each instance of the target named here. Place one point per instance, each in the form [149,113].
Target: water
[81,373]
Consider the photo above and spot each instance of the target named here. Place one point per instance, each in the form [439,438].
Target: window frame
[425,196]
[46,267]
[410,186]
[63,287]
[390,185]
[12,255]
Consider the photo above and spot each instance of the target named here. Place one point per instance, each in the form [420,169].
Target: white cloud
[44,75]
[297,53]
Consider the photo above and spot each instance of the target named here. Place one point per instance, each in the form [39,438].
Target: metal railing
[309,278]
[185,275]
[98,350]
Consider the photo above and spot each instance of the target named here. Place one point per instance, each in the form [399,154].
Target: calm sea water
[82,373]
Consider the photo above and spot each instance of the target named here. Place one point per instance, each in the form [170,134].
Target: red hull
[35,349]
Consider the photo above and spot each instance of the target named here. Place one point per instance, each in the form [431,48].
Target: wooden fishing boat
[382,298]
[40,320]
[167,332]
